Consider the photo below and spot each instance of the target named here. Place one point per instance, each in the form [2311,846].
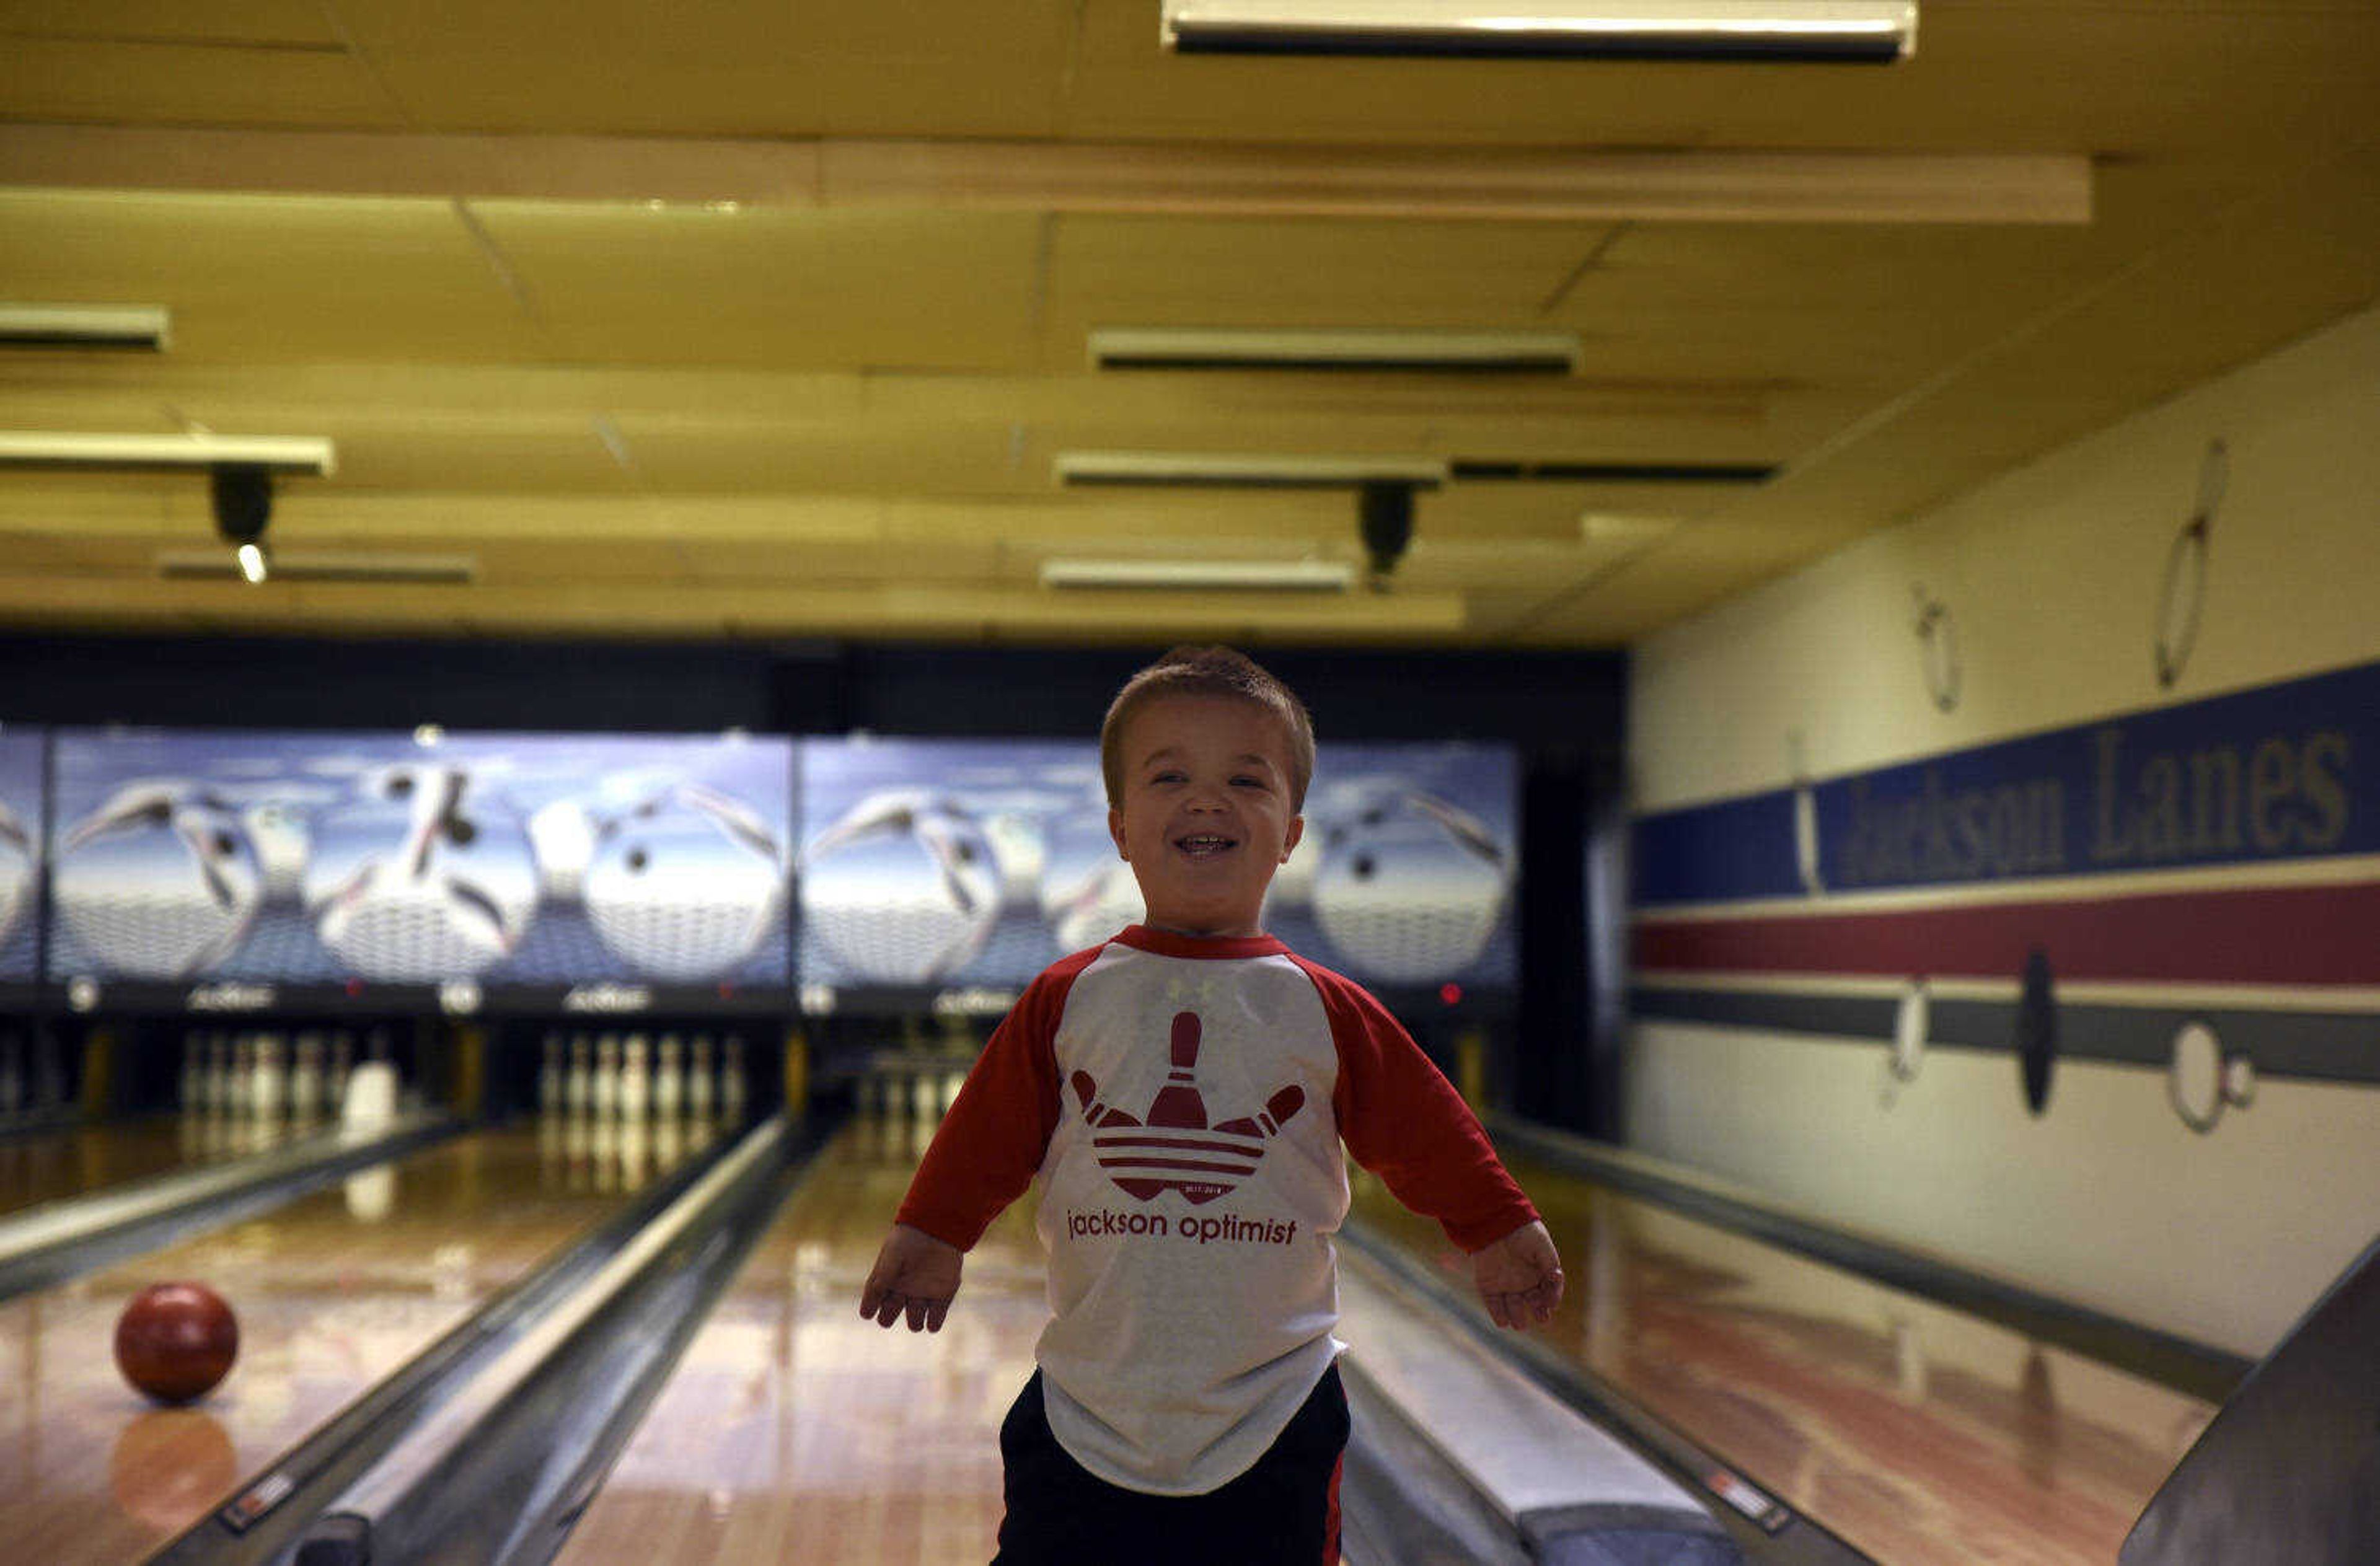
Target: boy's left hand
[1519,1277]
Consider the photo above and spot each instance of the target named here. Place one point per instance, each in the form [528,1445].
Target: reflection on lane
[1918,1434]
[53,1166]
[795,1430]
[332,1292]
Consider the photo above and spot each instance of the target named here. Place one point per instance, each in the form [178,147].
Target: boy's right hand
[913,1272]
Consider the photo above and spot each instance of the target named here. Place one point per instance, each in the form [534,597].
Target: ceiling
[755,319]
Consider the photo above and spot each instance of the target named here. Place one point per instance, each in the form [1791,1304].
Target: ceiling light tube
[1818,31]
[1228,471]
[278,454]
[349,566]
[145,328]
[1192,576]
[1191,347]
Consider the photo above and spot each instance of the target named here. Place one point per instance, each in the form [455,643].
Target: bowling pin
[607,1148]
[548,1078]
[213,1089]
[306,1080]
[578,1086]
[731,1081]
[240,1087]
[636,1153]
[194,1072]
[575,1140]
[607,1076]
[334,1085]
[669,1080]
[266,1084]
[668,1143]
[370,1103]
[636,1082]
[697,1079]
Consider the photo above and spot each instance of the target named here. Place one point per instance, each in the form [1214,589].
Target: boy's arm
[983,1156]
[1405,1122]
[991,1143]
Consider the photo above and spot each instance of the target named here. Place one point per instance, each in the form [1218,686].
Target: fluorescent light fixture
[145,328]
[1227,470]
[278,454]
[1192,576]
[252,563]
[380,569]
[1823,32]
[1483,353]
[1473,470]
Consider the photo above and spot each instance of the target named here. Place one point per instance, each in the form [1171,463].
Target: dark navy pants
[1283,1511]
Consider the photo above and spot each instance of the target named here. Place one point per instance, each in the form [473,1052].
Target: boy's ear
[1289,839]
[1115,830]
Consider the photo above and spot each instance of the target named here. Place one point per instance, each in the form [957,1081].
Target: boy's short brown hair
[1209,670]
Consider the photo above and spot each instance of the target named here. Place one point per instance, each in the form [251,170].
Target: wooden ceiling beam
[1682,185]
[113,601]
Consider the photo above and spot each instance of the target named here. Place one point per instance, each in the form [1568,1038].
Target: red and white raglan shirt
[1183,1100]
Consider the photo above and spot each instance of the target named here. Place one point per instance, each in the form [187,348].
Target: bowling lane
[793,1430]
[332,1292]
[54,1165]
[1920,1435]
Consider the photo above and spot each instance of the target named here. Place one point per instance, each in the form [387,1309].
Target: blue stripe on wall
[2279,772]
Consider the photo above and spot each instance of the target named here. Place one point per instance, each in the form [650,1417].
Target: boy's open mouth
[1201,846]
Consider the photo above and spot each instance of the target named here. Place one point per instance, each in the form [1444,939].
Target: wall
[2052,577]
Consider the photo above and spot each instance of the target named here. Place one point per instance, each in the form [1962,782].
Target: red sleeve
[1405,1122]
[991,1143]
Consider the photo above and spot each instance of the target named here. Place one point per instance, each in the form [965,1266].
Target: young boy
[1185,1089]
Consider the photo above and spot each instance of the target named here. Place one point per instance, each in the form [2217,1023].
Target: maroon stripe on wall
[2249,935]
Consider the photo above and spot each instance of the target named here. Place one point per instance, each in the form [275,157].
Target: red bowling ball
[175,1341]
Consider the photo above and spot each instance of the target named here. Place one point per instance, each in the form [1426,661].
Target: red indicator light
[355,987]
[1451,993]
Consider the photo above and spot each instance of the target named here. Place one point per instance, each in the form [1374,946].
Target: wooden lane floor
[52,1165]
[332,1292]
[1920,1435]
[794,1430]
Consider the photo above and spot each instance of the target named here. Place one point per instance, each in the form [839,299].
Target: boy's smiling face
[1206,819]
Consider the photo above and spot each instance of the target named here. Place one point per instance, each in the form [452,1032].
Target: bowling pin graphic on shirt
[1171,1146]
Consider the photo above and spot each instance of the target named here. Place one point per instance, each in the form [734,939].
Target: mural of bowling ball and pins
[1170,1147]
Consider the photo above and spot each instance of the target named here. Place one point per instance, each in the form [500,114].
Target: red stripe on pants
[1331,1515]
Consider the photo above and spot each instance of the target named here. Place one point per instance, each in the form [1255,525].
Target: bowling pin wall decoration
[1171,1146]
